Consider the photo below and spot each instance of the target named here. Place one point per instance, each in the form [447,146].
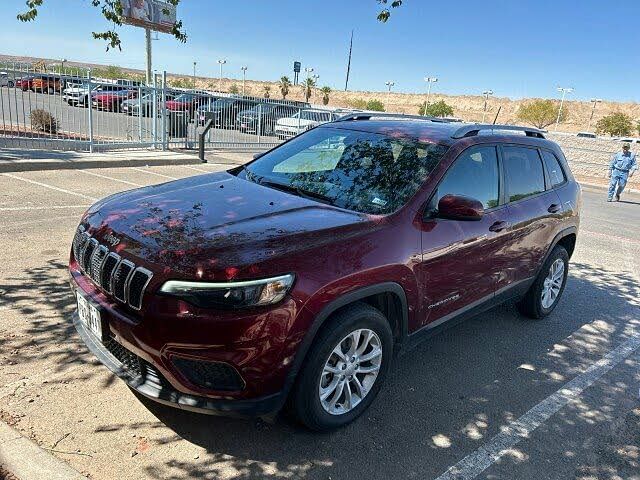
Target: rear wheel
[11,84]
[344,370]
[544,294]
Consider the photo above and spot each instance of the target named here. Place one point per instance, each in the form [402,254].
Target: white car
[6,80]
[76,94]
[303,121]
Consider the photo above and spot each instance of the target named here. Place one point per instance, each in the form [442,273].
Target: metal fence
[70,111]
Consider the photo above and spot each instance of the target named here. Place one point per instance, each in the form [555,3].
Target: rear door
[535,212]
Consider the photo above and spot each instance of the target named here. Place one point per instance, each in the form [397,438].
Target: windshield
[185,97]
[315,116]
[361,171]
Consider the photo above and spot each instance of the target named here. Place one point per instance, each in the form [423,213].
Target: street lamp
[389,85]
[221,62]
[486,95]
[244,77]
[430,81]
[595,101]
[308,70]
[564,91]
[194,74]
[315,84]
[63,61]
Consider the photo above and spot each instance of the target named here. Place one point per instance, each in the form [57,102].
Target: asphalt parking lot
[498,397]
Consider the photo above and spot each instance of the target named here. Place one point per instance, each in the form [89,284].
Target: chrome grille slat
[116,276]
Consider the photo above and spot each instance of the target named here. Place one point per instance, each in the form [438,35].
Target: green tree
[180,83]
[618,124]
[437,109]
[307,88]
[375,106]
[112,72]
[384,15]
[267,91]
[541,113]
[358,103]
[325,94]
[284,85]
[113,13]
[234,89]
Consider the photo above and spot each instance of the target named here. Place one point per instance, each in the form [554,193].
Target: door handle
[554,208]
[498,226]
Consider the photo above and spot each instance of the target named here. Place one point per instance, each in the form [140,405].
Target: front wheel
[11,84]
[344,370]
[543,296]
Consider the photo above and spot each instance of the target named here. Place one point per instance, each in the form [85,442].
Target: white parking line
[153,173]
[477,462]
[54,207]
[51,187]
[197,169]
[111,178]
[40,220]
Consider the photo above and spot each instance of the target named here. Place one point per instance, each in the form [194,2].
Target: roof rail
[475,129]
[400,116]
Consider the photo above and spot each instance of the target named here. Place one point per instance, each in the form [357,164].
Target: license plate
[90,316]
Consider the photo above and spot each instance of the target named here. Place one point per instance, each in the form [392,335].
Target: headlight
[230,295]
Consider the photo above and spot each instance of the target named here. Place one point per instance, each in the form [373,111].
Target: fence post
[154,109]
[164,111]
[90,111]
[259,132]
[140,115]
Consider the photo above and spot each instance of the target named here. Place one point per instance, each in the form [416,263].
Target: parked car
[46,84]
[134,106]
[76,93]
[25,83]
[586,135]
[295,278]
[223,111]
[261,119]
[303,121]
[6,80]
[187,102]
[111,100]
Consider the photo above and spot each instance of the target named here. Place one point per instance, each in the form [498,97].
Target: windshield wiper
[299,191]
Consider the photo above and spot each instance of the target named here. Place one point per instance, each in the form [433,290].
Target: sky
[515,48]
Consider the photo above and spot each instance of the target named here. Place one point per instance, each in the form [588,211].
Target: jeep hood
[215,222]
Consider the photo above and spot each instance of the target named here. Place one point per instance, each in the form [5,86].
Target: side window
[556,174]
[474,174]
[523,172]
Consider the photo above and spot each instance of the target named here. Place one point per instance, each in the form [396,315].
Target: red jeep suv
[297,277]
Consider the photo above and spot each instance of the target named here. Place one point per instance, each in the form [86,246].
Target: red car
[25,83]
[296,278]
[112,100]
[187,102]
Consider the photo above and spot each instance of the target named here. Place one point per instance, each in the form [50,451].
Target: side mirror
[257,155]
[459,207]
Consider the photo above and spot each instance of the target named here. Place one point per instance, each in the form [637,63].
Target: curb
[28,461]
[83,164]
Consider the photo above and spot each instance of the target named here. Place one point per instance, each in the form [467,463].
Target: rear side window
[556,174]
[474,174]
[523,172]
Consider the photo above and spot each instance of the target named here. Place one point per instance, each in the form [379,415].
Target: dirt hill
[467,107]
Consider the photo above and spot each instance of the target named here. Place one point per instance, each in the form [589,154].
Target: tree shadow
[446,397]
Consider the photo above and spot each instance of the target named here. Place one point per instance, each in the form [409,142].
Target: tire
[305,402]
[51,91]
[11,84]
[533,304]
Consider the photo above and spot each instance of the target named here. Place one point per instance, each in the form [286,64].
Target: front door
[461,259]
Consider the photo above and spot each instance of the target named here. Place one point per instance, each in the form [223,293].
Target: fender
[563,233]
[334,305]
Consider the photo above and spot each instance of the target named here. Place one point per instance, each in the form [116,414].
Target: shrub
[234,89]
[438,109]
[618,124]
[373,105]
[43,121]
[541,113]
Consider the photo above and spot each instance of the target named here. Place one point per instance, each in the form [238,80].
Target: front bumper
[148,381]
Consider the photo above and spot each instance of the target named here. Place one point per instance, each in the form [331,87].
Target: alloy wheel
[350,371]
[552,284]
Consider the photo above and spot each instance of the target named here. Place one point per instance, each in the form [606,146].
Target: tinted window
[556,174]
[362,171]
[523,172]
[474,174]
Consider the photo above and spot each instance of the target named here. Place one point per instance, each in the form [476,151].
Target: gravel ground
[443,401]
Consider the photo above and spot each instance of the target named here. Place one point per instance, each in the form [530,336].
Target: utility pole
[564,91]
[221,62]
[595,101]
[147,32]
[430,81]
[194,74]
[346,83]
[389,85]
[244,77]
[315,83]
[486,95]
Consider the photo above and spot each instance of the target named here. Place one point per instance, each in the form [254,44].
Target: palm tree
[284,84]
[267,91]
[307,87]
[325,94]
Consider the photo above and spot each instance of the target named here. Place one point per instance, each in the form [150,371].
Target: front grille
[113,274]
[210,375]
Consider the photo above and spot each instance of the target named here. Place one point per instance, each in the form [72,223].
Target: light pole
[315,84]
[194,74]
[63,61]
[308,70]
[595,101]
[430,81]
[220,62]
[486,95]
[389,86]
[244,77]
[564,91]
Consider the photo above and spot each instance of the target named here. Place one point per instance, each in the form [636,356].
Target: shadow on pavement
[442,400]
